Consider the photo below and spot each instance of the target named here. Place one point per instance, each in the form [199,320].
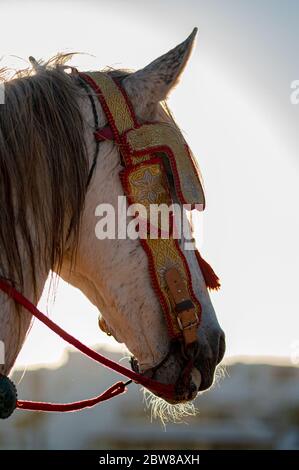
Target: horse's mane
[43,168]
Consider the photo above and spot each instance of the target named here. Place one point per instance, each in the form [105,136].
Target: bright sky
[234,105]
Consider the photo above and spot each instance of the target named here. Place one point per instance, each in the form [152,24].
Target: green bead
[8,397]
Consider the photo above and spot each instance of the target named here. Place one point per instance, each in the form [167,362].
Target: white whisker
[167,413]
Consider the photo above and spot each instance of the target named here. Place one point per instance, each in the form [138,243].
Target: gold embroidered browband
[141,142]
[146,150]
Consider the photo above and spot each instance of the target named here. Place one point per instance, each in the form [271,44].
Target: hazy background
[234,106]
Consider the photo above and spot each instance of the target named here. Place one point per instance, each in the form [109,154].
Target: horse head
[60,218]
[114,273]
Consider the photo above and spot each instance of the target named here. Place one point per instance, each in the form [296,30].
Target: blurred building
[251,406]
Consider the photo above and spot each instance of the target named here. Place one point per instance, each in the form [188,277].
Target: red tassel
[211,279]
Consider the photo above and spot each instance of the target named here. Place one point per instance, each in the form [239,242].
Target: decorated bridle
[146,151]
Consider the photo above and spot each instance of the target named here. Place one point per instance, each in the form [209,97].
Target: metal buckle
[189,325]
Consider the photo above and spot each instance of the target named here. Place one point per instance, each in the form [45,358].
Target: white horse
[48,218]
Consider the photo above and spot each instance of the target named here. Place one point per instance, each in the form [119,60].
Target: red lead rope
[118,388]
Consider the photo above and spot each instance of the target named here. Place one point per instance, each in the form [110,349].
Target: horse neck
[15,321]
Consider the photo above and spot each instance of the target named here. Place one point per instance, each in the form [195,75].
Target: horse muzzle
[176,368]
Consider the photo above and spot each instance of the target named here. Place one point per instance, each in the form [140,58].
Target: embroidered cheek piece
[145,182]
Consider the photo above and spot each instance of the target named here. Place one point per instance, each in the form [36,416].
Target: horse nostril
[221,348]
[192,390]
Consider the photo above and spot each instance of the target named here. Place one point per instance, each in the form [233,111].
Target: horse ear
[152,84]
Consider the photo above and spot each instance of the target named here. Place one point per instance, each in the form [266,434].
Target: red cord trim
[158,291]
[193,296]
[105,133]
[196,172]
[169,153]
[211,279]
[103,102]
[151,264]
[117,389]
[166,390]
[128,101]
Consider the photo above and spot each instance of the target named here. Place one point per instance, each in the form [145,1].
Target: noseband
[146,150]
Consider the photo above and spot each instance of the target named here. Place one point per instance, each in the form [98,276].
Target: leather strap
[187,317]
